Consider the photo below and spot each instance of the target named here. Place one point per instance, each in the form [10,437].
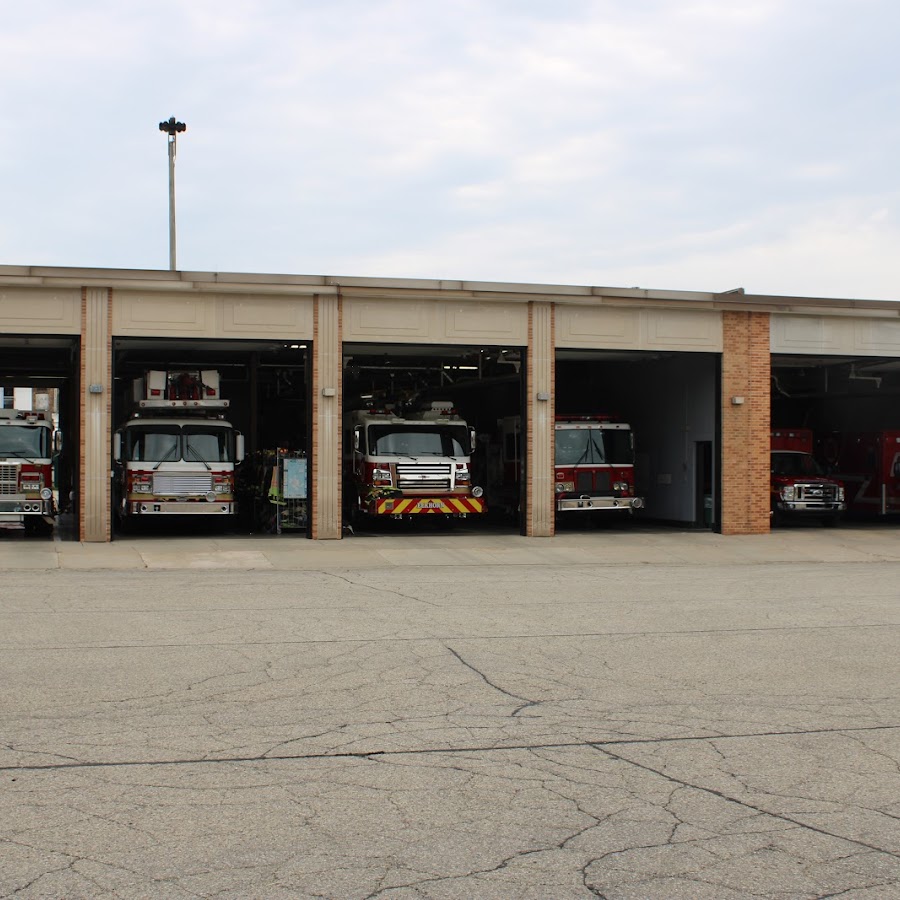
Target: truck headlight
[840,494]
[381,476]
[31,485]
[787,492]
[563,486]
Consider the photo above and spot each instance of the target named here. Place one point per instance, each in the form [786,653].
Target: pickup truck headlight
[787,492]
[840,494]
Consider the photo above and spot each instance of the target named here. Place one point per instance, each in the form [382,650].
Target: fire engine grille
[588,481]
[9,479]
[825,493]
[427,476]
[174,484]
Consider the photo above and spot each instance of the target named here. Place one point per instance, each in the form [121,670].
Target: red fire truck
[593,464]
[176,454]
[798,486]
[412,464]
[868,462]
[26,469]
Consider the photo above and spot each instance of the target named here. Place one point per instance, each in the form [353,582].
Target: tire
[36,526]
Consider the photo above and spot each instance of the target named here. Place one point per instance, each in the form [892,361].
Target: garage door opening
[848,408]
[668,403]
[39,436]
[423,439]
[211,436]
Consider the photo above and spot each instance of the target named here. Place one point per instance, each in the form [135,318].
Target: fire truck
[593,463]
[27,442]
[798,486]
[417,463]
[176,454]
[868,462]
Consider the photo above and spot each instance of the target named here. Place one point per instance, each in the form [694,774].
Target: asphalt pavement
[636,713]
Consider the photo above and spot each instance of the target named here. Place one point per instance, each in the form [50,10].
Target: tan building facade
[92,308]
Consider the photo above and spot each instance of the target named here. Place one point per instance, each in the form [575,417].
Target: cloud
[664,143]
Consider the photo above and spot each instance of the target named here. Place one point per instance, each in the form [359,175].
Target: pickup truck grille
[175,484]
[423,476]
[823,493]
[9,475]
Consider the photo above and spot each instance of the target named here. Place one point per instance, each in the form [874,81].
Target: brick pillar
[540,373]
[746,369]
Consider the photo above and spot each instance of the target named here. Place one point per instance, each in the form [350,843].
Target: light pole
[171,128]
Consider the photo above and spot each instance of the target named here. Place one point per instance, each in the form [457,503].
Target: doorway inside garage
[852,407]
[670,400]
[266,385]
[42,373]
[480,387]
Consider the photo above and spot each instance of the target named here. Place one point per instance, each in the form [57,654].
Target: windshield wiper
[197,455]
[166,456]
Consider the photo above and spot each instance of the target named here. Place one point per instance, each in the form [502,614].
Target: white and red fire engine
[593,463]
[177,453]
[798,486]
[416,464]
[26,469]
[868,462]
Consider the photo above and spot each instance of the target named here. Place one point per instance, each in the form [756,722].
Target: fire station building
[702,377]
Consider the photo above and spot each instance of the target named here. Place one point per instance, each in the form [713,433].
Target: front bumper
[447,506]
[809,508]
[587,503]
[13,509]
[181,508]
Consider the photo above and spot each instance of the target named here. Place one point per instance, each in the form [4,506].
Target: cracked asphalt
[640,715]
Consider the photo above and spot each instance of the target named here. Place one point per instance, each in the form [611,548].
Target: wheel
[34,525]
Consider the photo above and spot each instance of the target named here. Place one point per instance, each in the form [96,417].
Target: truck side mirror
[117,446]
[356,436]
[57,441]
[238,447]
[472,439]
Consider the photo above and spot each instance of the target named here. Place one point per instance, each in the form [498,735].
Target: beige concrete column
[96,409]
[540,416]
[326,416]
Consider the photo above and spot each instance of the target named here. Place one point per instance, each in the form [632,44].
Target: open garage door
[39,374]
[410,413]
[850,406]
[200,465]
[669,402]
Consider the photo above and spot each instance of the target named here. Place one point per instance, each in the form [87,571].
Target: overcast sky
[698,145]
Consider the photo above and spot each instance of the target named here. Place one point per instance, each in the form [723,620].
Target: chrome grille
[9,475]
[176,484]
[823,493]
[423,476]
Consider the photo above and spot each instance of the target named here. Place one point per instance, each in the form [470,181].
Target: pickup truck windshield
[793,464]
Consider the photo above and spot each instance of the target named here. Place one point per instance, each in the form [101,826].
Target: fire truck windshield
[157,442]
[24,442]
[594,446]
[425,440]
